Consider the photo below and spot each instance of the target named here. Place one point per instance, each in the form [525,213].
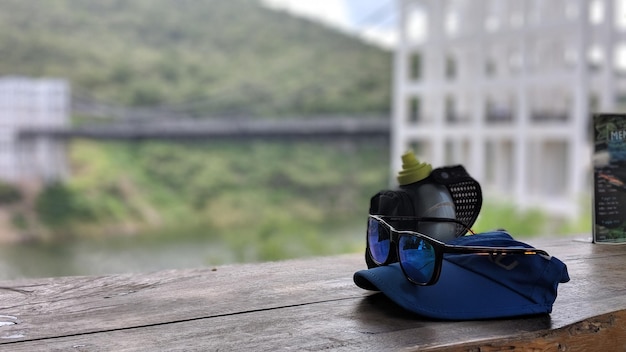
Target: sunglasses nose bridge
[385,246]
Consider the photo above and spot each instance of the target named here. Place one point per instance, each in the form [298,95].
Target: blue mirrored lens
[378,238]
[417,257]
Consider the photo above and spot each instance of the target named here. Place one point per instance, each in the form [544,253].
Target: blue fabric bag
[475,286]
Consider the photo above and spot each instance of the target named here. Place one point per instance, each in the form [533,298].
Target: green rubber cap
[412,170]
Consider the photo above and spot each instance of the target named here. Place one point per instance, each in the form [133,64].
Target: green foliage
[9,194]
[258,192]
[200,57]
[580,224]
[57,205]
[206,58]
[19,221]
[517,222]
[530,222]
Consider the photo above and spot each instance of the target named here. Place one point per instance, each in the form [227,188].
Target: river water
[129,255]
[97,257]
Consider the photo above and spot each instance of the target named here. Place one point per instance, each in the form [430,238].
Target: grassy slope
[202,57]
[265,199]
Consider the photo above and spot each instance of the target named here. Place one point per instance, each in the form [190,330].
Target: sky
[373,20]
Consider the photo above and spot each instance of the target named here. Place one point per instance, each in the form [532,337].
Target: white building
[32,103]
[506,88]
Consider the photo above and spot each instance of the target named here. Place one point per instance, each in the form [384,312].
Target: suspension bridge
[207,129]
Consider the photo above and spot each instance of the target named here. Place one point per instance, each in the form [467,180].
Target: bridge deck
[224,129]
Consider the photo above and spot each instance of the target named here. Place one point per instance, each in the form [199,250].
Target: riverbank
[18,216]
[8,233]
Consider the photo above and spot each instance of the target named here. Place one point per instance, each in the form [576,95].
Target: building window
[414,109]
[490,68]
[415,66]
[450,110]
[451,67]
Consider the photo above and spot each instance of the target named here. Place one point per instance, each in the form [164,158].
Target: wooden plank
[309,304]
[46,308]
[371,323]
[606,332]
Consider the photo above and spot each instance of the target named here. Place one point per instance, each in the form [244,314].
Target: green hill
[265,200]
[197,57]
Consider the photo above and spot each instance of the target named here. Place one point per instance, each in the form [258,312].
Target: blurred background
[157,134]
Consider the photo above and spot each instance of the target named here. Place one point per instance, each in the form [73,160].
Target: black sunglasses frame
[439,248]
[413,222]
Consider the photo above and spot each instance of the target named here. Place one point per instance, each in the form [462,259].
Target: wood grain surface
[304,305]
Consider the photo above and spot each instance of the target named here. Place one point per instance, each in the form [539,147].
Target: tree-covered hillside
[266,200]
[196,57]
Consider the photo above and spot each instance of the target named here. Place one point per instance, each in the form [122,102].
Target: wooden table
[300,305]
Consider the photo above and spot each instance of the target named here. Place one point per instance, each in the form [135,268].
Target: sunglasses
[421,256]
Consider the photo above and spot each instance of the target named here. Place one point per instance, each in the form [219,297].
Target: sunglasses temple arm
[446,220]
[422,219]
[494,250]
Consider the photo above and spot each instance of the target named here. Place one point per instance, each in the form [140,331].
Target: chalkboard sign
[609,178]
